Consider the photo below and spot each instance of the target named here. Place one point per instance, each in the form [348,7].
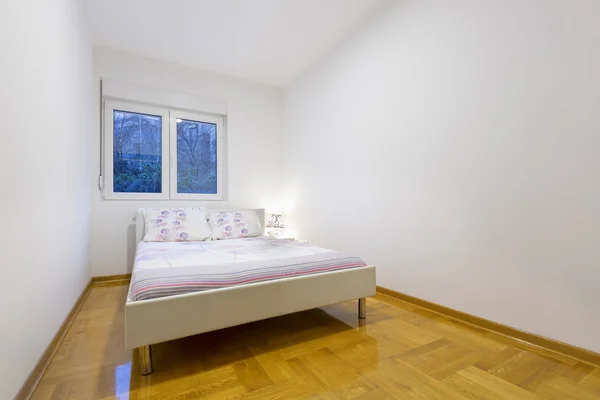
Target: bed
[180,289]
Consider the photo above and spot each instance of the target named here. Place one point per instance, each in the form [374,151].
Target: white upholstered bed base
[158,320]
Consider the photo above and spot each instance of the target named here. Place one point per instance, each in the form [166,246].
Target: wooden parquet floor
[400,352]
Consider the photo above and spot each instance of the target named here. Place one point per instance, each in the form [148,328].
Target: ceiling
[266,41]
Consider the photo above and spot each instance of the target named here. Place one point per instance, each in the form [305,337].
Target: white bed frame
[162,319]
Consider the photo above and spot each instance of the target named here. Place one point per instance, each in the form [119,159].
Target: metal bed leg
[145,354]
[362,308]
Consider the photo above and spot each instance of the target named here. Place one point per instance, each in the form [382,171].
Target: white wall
[455,145]
[254,143]
[45,109]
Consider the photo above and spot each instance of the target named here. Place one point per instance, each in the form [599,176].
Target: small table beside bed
[184,288]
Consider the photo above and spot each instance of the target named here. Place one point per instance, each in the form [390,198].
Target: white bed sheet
[152,255]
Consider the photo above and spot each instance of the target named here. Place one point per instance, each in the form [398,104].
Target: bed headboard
[140,224]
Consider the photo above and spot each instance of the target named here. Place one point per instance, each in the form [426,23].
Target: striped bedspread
[167,269]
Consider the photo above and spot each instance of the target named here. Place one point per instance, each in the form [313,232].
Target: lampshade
[275,221]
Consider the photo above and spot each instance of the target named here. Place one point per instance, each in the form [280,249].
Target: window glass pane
[137,152]
[196,157]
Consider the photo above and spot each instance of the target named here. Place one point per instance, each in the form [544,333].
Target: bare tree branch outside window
[196,157]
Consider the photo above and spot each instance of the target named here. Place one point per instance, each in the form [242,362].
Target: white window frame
[169,150]
[109,108]
[198,117]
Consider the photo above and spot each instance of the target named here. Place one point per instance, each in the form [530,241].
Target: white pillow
[234,224]
[175,225]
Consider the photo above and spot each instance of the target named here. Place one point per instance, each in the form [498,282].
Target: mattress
[167,269]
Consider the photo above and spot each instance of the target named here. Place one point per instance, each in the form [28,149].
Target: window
[137,152]
[158,153]
[196,146]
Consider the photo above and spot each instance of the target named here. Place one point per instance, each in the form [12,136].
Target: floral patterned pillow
[176,225]
[234,224]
